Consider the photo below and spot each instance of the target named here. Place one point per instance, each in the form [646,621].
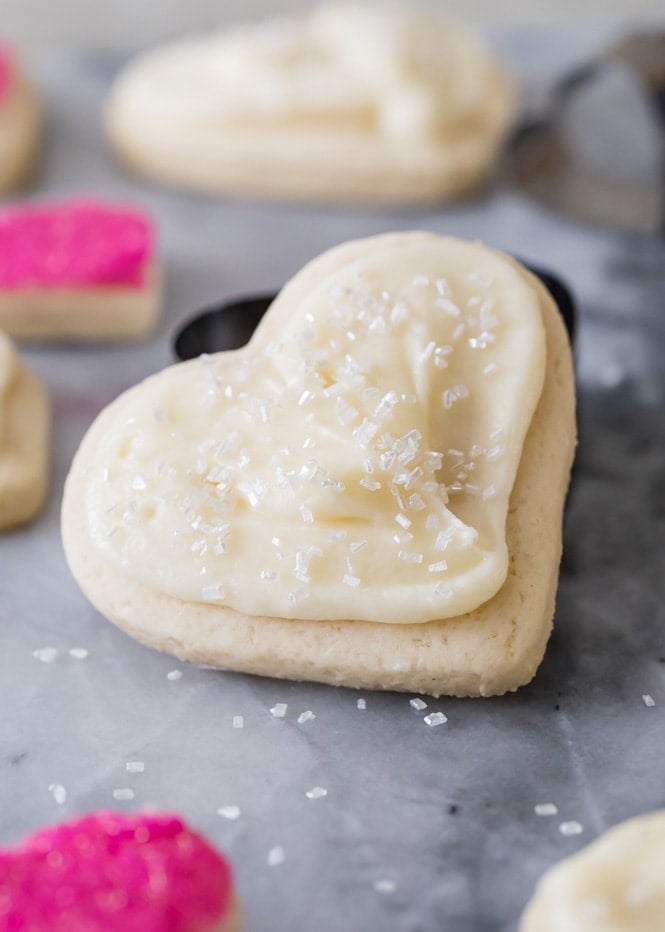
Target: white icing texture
[355,461]
[617,884]
[405,72]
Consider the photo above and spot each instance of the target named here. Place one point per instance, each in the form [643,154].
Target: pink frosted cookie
[20,123]
[110,872]
[80,269]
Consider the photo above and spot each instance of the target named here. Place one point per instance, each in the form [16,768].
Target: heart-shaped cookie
[110,872]
[349,102]
[349,472]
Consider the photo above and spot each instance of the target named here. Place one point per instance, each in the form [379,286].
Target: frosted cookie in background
[116,872]
[80,269]
[616,884]
[369,494]
[24,439]
[351,103]
[20,123]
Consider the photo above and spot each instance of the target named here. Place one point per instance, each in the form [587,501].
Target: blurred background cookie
[20,122]
[77,269]
[350,102]
[24,439]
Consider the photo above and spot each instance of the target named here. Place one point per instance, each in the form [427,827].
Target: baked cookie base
[20,130]
[24,451]
[312,164]
[88,314]
[492,650]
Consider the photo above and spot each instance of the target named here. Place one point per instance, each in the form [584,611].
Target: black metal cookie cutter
[597,151]
[230,324]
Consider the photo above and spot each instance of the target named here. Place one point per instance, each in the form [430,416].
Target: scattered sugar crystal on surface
[229,812]
[106,474]
[58,792]
[417,704]
[434,719]
[269,575]
[427,352]
[545,809]
[174,675]
[443,538]
[123,793]
[279,710]
[571,828]
[402,538]
[449,307]
[305,397]
[135,766]
[416,502]
[420,281]
[490,368]
[493,453]
[352,581]
[480,278]
[403,520]
[370,484]
[46,654]
[489,492]
[317,792]
[238,721]
[335,536]
[138,483]
[298,595]
[439,567]
[432,521]
[306,514]
[648,701]
[357,545]
[307,716]
[442,590]
[276,856]
[410,557]
[210,593]
[385,886]
[78,653]
[361,704]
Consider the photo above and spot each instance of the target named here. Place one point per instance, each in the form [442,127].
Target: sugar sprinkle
[45,654]
[417,704]
[545,809]
[317,792]
[307,716]
[435,718]
[59,793]
[276,856]
[229,812]
[279,710]
[571,828]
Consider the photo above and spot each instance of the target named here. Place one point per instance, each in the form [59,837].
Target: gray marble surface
[445,814]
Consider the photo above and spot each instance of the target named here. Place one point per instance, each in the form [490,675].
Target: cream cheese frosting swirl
[354,461]
[405,72]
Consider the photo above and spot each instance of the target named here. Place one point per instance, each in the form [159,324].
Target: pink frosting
[76,244]
[6,73]
[110,872]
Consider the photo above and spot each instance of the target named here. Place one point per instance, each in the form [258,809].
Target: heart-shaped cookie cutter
[229,325]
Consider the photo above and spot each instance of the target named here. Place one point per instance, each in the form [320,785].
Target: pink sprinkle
[119,873]
[73,244]
[6,73]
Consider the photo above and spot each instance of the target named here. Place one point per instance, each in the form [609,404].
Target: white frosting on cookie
[355,461]
[8,369]
[399,71]
[616,884]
